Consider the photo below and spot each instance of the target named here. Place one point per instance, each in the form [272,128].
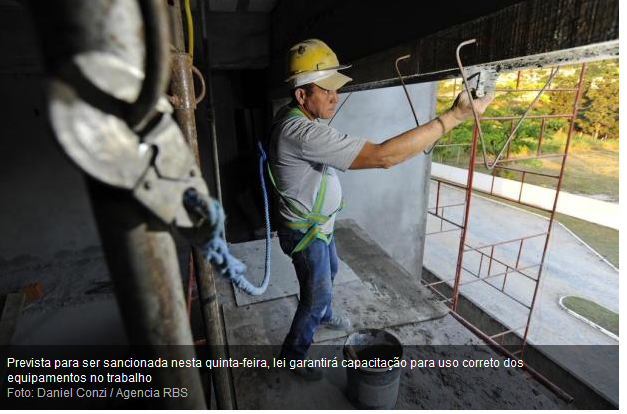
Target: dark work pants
[316,267]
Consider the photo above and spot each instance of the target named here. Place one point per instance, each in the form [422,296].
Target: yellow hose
[190,30]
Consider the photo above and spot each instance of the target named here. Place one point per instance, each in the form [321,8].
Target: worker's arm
[410,143]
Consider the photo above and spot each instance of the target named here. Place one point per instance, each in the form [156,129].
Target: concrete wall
[44,206]
[389,204]
[44,210]
[585,208]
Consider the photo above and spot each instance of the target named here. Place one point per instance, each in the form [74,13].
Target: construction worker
[304,155]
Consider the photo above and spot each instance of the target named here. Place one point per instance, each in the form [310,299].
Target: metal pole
[211,111]
[182,87]
[571,128]
[139,249]
[462,237]
[141,257]
[181,80]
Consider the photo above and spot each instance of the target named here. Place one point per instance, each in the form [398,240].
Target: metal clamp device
[154,162]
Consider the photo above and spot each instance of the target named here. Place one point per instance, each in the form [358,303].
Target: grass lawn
[594,312]
[591,169]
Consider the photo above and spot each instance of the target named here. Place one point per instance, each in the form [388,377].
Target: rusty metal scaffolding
[484,254]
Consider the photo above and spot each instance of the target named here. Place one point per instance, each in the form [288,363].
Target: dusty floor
[434,335]
[79,291]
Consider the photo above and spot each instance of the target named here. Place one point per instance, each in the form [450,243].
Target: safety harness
[309,221]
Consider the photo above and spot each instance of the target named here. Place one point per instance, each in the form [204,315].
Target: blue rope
[266,210]
[216,250]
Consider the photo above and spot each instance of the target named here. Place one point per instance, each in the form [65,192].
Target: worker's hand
[462,110]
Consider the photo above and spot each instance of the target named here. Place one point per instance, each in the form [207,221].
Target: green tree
[599,110]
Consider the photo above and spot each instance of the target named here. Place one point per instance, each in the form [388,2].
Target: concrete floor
[436,336]
[79,291]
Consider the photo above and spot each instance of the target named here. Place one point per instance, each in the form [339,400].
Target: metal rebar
[400,78]
[524,116]
[462,238]
[509,118]
[211,112]
[522,203]
[557,191]
[183,86]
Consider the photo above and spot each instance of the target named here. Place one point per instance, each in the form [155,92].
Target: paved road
[571,268]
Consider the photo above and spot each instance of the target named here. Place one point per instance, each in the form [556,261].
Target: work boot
[309,373]
[339,323]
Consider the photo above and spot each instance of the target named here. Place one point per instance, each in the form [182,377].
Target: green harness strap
[310,221]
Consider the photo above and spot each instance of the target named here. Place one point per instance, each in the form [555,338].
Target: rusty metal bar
[527,172]
[511,134]
[522,185]
[453,145]
[400,78]
[462,238]
[485,246]
[493,173]
[504,280]
[490,262]
[542,125]
[480,265]
[445,219]
[142,259]
[509,118]
[557,191]
[485,280]
[440,282]
[519,252]
[518,73]
[535,374]
[517,269]
[441,231]
[437,197]
[457,281]
[182,86]
[446,206]
[453,184]
[478,278]
[437,292]
[530,158]
[537,90]
[476,116]
[506,332]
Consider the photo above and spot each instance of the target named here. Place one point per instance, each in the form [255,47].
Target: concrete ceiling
[250,6]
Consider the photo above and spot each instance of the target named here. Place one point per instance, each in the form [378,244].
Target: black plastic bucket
[373,388]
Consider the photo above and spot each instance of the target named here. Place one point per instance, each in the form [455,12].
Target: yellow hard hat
[312,61]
